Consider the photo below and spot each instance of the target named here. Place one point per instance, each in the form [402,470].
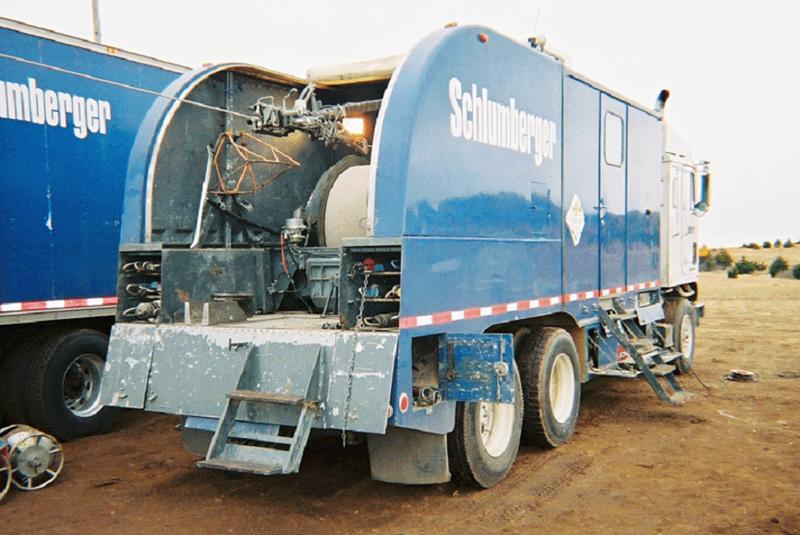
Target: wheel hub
[562,388]
[81,385]
[496,426]
[687,337]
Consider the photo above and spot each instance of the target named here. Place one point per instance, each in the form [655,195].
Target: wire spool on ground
[5,470]
[35,458]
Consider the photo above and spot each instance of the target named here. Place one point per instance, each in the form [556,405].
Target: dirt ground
[727,462]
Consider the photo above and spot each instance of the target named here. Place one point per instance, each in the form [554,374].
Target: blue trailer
[69,112]
[432,252]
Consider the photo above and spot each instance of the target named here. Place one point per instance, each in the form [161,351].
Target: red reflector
[403,402]
[482,37]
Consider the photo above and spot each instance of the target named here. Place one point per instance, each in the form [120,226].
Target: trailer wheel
[548,364]
[63,394]
[679,313]
[482,447]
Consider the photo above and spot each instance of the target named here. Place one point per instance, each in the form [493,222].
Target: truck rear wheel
[548,364]
[483,446]
[679,313]
[63,393]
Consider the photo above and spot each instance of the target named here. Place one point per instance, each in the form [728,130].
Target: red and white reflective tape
[58,304]
[439,318]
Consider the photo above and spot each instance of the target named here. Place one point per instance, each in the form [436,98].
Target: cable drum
[346,209]
[338,207]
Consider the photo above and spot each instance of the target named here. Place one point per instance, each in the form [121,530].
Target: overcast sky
[733,66]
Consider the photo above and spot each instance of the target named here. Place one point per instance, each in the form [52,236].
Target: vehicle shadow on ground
[330,471]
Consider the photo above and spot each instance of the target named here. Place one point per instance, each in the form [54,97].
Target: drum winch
[32,459]
[5,470]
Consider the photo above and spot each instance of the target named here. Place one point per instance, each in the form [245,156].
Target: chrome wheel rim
[81,385]
[497,426]
[562,388]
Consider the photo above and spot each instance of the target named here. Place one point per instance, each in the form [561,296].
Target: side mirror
[704,170]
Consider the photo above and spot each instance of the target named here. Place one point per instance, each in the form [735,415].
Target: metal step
[651,363]
[660,370]
[614,371]
[624,316]
[231,465]
[645,346]
[257,457]
[266,397]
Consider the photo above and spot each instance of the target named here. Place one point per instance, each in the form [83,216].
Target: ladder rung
[266,397]
[240,466]
[622,317]
[662,369]
[276,439]
[613,371]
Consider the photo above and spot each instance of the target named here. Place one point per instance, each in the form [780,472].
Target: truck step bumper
[190,370]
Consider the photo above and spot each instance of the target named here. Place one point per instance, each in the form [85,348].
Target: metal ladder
[264,453]
[649,359]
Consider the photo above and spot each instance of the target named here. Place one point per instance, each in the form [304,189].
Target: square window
[613,139]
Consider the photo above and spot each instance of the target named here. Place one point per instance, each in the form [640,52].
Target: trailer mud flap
[477,367]
[408,457]
[130,353]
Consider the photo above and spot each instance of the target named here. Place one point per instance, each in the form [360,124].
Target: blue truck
[430,253]
[69,113]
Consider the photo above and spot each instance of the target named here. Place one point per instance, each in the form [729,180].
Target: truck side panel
[64,160]
[613,159]
[645,143]
[581,183]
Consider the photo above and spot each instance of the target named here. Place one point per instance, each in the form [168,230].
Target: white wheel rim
[497,426]
[687,337]
[562,388]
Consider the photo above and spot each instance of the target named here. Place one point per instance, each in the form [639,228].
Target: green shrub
[787,244]
[723,259]
[778,265]
[766,245]
[745,266]
[751,245]
[777,243]
[732,273]
[796,271]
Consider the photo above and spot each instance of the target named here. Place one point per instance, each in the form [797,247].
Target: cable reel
[5,470]
[35,459]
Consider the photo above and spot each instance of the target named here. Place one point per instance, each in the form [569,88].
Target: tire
[484,459]
[548,364]
[68,369]
[15,371]
[680,314]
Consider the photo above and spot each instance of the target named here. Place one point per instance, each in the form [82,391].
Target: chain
[352,364]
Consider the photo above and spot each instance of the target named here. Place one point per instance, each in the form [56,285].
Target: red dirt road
[727,462]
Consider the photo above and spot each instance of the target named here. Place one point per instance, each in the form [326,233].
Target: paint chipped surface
[192,368]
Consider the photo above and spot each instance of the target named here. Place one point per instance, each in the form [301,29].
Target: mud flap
[408,457]
[130,353]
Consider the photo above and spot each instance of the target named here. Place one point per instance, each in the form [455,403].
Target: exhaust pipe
[661,101]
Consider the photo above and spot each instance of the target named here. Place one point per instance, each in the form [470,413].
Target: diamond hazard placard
[575,219]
